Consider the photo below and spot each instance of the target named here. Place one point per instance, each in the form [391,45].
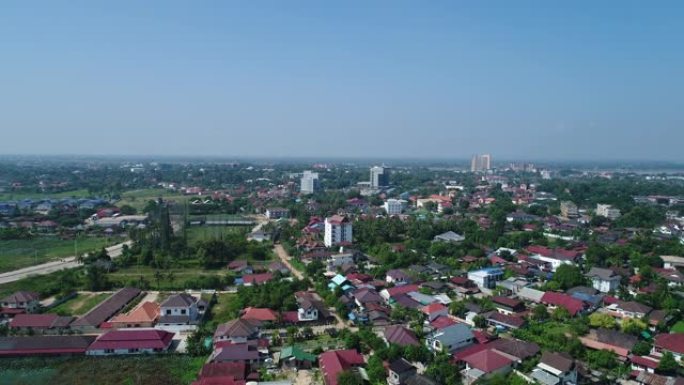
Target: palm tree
[170,277]
[158,277]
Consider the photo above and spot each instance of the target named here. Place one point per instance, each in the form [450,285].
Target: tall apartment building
[569,209]
[379,176]
[607,211]
[480,163]
[394,206]
[338,229]
[309,183]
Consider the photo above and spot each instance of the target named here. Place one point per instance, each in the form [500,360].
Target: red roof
[257,279]
[38,321]
[647,361]
[133,339]
[397,290]
[442,322]
[260,314]
[487,361]
[334,362]
[290,317]
[572,305]
[400,335]
[673,342]
[433,308]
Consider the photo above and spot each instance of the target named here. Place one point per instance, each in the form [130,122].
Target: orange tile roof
[147,312]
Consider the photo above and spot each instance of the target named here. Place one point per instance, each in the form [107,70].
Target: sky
[525,80]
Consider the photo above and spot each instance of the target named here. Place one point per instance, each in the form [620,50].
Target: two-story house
[604,280]
[450,339]
[555,368]
[22,300]
[180,309]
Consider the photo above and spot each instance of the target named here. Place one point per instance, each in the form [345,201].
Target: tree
[560,314]
[633,326]
[641,348]
[480,321]
[443,371]
[375,369]
[601,359]
[601,320]
[668,364]
[539,313]
[568,276]
[158,277]
[349,378]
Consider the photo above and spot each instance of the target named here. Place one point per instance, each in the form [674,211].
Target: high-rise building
[379,176]
[480,163]
[338,229]
[310,183]
[569,209]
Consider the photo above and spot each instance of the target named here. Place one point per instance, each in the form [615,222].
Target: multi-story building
[338,229]
[309,183]
[569,209]
[394,206]
[277,213]
[480,163]
[486,278]
[379,176]
[607,211]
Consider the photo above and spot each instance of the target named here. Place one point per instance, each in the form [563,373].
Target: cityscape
[357,193]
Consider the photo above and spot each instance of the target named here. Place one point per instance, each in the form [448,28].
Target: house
[464,286]
[397,277]
[224,373]
[555,300]
[644,363]
[105,309]
[644,378]
[144,316]
[399,371]
[277,213]
[508,306]
[673,343]
[365,296]
[259,314]
[180,309]
[629,309]
[391,294]
[243,352]
[486,278]
[555,369]
[278,267]
[44,345]
[333,362]
[400,335]
[27,300]
[607,339]
[127,341]
[484,364]
[673,277]
[449,236]
[555,257]
[41,323]
[450,339]
[435,310]
[604,280]
[237,331]
[256,279]
[240,266]
[531,295]
[294,357]
[504,321]
[309,305]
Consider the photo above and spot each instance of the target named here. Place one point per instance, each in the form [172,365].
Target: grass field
[15,254]
[80,304]
[148,370]
[180,276]
[678,327]
[222,311]
[202,233]
[11,196]
[139,198]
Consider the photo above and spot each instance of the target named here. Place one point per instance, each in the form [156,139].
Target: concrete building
[569,209]
[607,211]
[379,177]
[481,163]
[486,278]
[394,206]
[309,183]
[338,229]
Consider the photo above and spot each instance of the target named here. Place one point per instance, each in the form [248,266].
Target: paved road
[51,267]
[285,259]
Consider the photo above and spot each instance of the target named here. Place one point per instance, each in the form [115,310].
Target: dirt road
[285,259]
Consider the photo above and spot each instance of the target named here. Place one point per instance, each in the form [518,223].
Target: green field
[148,370]
[203,233]
[180,276]
[139,198]
[15,254]
[80,304]
[11,196]
[222,311]
[678,327]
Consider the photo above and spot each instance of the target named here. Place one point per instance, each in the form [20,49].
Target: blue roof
[338,280]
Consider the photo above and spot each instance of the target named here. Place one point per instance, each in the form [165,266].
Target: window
[183,311]
[134,350]
[168,311]
[109,351]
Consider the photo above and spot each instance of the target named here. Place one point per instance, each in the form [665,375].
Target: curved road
[51,267]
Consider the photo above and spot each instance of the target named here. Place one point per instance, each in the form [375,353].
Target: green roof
[297,353]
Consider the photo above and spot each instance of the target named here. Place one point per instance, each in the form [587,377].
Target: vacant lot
[203,233]
[80,304]
[169,279]
[15,254]
[13,196]
[143,370]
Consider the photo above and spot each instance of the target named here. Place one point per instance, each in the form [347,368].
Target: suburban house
[124,341]
[508,306]
[26,300]
[554,300]
[333,362]
[310,307]
[555,257]
[449,236]
[294,357]
[555,369]
[400,335]
[105,309]
[434,311]
[604,280]
[144,316]
[486,278]
[450,339]
[180,309]
[237,331]
[673,343]
[607,339]
[397,277]
[248,353]
[259,314]
[504,321]
[485,363]
[628,309]
[399,371]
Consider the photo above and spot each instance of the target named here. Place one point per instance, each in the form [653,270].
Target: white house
[486,278]
[179,309]
[604,280]
[450,338]
[555,368]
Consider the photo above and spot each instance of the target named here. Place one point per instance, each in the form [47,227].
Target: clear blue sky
[519,79]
